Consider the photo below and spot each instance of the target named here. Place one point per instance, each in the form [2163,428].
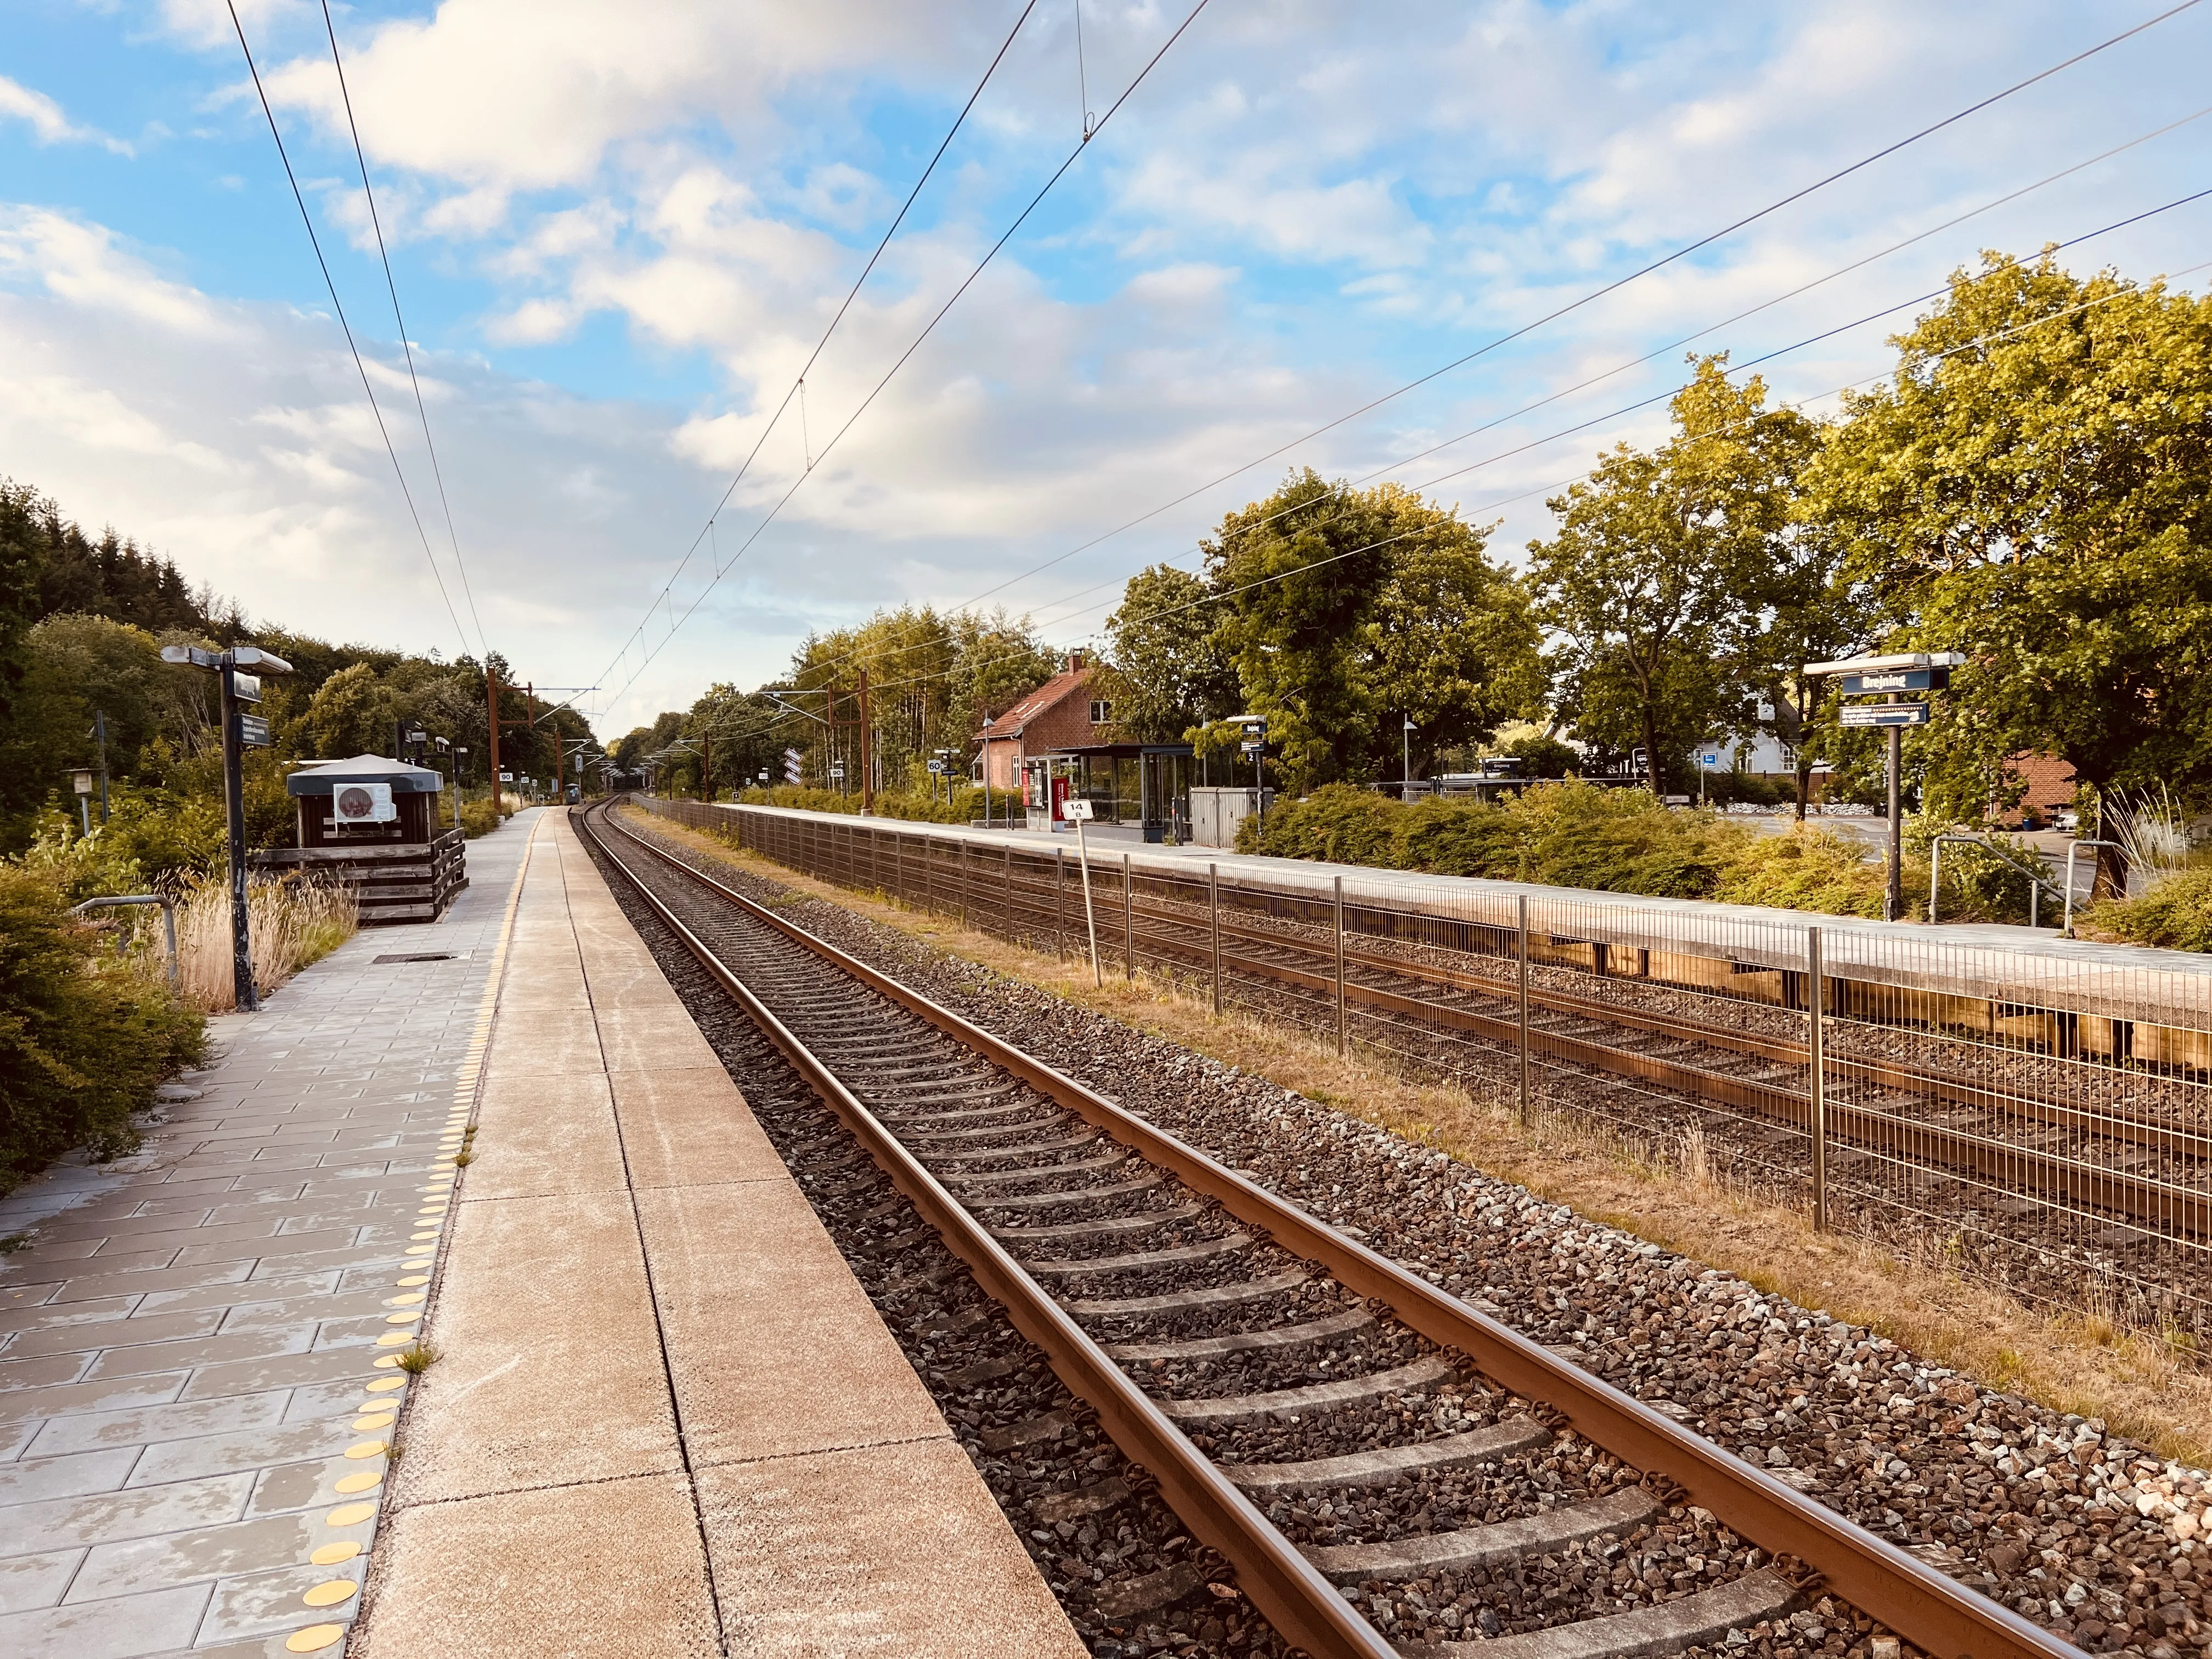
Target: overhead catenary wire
[798,382]
[930,327]
[1765,357]
[391,287]
[337,305]
[1216,596]
[1597,294]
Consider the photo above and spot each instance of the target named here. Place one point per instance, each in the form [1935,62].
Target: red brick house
[2049,788]
[1058,715]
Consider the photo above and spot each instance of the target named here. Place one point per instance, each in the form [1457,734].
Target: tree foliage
[2034,489]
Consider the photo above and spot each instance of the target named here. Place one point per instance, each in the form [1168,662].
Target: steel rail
[1935,1613]
[1301,1603]
[1889,1133]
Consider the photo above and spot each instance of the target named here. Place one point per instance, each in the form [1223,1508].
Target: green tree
[1663,566]
[2031,490]
[1165,672]
[351,713]
[1452,641]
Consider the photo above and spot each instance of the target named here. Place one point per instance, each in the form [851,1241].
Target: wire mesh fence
[2037,1118]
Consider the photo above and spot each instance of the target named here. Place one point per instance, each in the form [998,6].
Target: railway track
[1285,1386]
[2081,1137]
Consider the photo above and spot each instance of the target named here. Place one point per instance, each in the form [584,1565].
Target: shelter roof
[324,776]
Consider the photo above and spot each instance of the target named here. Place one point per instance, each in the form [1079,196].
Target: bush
[1579,834]
[965,806]
[85,1034]
[2177,914]
[480,817]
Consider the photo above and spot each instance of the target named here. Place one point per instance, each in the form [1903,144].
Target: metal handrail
[168,918]
[2036,878]
[2066,932]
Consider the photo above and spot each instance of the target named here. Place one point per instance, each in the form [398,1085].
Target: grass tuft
[417,1357]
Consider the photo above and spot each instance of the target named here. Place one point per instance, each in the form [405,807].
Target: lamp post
[1406,761]
[239,729]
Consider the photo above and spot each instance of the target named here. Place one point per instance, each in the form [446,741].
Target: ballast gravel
[2078,1529]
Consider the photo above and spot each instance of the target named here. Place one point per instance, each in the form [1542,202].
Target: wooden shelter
[404,869]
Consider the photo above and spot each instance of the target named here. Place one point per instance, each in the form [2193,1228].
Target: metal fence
[2035,1117]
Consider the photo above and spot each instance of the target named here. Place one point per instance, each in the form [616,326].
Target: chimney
[1075,662]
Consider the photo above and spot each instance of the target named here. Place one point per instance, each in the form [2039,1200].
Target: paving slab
[186,1345]
[656,1370]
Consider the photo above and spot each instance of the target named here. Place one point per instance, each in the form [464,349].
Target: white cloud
[49,125]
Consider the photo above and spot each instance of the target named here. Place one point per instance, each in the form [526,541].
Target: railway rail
[2073,1143]
[1174,1297]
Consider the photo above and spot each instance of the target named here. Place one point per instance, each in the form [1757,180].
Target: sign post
[1079,810]
[238,690]
[1885,677]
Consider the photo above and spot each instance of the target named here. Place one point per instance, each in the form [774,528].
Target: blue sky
[617,230]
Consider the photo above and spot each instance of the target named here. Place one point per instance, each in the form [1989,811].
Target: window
[1102,712]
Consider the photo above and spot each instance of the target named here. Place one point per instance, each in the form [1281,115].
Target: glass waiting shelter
[1143,785]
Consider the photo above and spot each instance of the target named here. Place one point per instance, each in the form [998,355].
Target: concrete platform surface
[664,1418]
[198,1344]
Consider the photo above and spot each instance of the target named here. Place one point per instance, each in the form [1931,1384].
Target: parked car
[2068,819]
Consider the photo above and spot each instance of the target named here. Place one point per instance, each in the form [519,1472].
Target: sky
[617,233]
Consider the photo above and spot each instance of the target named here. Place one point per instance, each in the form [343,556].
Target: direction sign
[1252,748]
[1885,714]
[1902,679]
[247,688]
[253,731]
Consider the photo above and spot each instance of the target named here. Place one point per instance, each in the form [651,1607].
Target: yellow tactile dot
[422,1237]
[413,1298]
[366,1480]
[416,1278]
[385,1384]
[330,1554]
[422,1250]
[329,1593]
[385,1362]
[348,1515]
[314,1639]
[393,1339]
[382,1420]
[401,1318]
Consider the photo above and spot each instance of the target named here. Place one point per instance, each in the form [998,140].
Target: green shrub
[965,806]
[480,817]
[2176,913]
[1580,835]
[85,1035]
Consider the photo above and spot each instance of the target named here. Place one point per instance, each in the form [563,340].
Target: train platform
[197,1341]
[665,1418]
[662,1416]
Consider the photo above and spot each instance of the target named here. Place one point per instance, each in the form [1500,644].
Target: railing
[2038,1117]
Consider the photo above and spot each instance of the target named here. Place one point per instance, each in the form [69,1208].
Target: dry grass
[291,922]
[2082,1363]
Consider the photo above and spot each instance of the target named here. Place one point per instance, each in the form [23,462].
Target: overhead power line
[798,382]
[337,305]
[929,327]
[391,287]
[1597,294]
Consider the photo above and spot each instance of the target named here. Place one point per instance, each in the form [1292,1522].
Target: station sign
[1885,714]
[247,688]
[1252,748]
[1901,679]
[253,731]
